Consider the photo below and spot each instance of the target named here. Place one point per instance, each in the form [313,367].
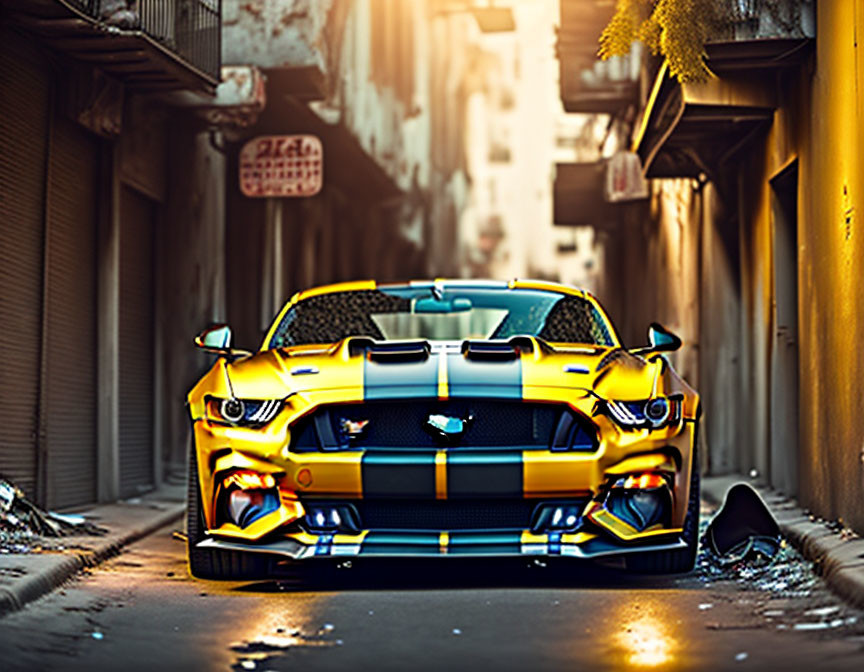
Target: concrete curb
[49,571]
[839,560]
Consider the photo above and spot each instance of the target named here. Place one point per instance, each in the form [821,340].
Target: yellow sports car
[441,418]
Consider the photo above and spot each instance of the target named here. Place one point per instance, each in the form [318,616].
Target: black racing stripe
[398,474]
[406,538]
[486,549]
[395,549]
[477,378]
[484,473]
[469,538]
[385,380]
[400,543]
[496,543]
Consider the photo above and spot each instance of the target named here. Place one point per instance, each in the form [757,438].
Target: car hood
[393,369]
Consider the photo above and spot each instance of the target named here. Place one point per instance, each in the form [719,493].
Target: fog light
[332,518]
[556,517]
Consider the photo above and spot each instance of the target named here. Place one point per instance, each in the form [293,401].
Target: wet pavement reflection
[644,635]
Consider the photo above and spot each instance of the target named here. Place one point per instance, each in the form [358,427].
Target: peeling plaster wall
[391,123]
[391,73]
[402,92]
[274,33]
[338,37]
[652,270]
[817,123]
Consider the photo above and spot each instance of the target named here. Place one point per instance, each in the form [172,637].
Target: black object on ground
[743,528]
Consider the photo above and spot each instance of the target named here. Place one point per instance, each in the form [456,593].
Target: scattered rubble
[785,573]
[24,527]
[742,545]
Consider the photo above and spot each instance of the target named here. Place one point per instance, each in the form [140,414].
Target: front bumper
[534,475]
[584,545]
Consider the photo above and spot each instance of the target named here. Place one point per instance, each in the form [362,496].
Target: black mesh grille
[401,424]
[445,515]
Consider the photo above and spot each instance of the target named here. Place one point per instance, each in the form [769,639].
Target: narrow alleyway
[186,167]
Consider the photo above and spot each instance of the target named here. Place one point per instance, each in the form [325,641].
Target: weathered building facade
[100,222]
[125,231]
[748,246]
[362,76]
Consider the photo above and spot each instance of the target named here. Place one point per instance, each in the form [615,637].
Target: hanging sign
[624,180]
[282,166]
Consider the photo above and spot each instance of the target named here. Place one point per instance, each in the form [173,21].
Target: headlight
[651,413]
[657,411]
[244,412]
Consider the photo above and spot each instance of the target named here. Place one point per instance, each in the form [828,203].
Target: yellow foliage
[675,29]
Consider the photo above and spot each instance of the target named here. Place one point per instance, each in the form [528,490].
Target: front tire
[680,560]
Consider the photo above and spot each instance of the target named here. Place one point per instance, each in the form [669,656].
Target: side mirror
[217,339]
[661,340]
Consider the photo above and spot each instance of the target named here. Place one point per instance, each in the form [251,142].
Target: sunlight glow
[646,643]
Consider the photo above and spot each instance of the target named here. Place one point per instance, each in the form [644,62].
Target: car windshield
[397,313]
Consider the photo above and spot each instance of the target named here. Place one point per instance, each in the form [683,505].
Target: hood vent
[410,351]
[490,351]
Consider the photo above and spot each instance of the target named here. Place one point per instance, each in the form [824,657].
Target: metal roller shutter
[136,342]
[69,418]
[24,103]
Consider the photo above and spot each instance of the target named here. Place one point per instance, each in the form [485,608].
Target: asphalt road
[141,611]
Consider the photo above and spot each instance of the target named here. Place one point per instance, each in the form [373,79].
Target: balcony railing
[744,20]
[190,28]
